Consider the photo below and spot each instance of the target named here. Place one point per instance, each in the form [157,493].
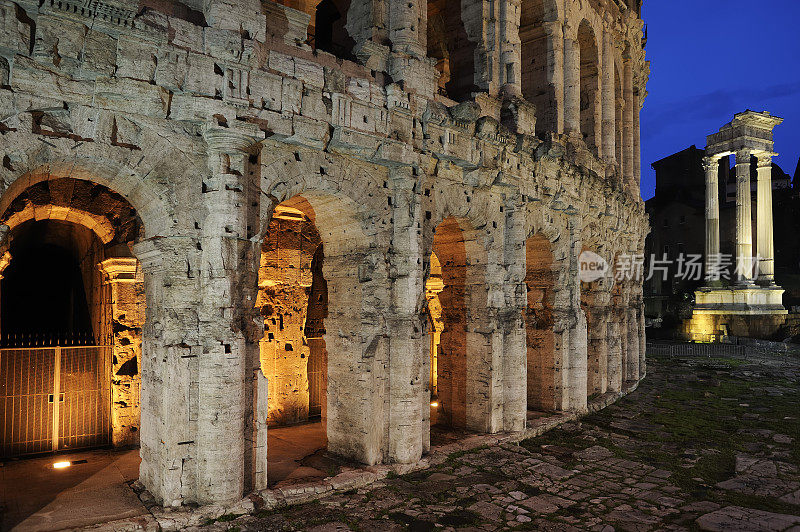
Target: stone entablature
[205,129]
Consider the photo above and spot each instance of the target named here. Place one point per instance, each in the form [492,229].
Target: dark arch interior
[328,28]
[450,45]
[44,288]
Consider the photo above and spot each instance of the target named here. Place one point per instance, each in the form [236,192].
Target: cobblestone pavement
[704,443]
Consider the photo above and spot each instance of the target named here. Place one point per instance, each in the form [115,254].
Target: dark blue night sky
[711,59]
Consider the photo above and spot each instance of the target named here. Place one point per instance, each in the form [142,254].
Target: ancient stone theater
[222,217]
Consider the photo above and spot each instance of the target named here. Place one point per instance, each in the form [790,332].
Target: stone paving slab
[702,444]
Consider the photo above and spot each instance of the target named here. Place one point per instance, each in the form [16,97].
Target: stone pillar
[169,356]
[619,138]
[623,341]
[614,350]
[515,352]
[409,377]
[261,414]
[637,148]
[597,333]
[510,48]
[744,226]
[576,358]
[642,342]
[572,88]
[765,242]
[224,277]
[407,26]
[555,75]
[628,168]
[609,102]
[632,334]
[711,166]
[126,305]
[487,320]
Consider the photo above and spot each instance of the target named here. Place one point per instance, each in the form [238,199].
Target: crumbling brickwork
[495,134]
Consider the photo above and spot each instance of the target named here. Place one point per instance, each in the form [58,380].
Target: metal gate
[54,398]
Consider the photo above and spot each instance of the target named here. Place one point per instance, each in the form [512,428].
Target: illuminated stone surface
[751,306]
[205,116]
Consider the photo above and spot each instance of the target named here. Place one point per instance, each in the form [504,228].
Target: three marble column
[744,259]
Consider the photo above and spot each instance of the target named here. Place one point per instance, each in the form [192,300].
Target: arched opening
[293,300]
[590,87]
[311,278]
[450,45]
[47,287]
[456,294]
[538,63]
[325,24]
[328,28]
[539,320]
[71,317]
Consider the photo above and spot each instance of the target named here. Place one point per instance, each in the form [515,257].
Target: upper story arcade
[580,64]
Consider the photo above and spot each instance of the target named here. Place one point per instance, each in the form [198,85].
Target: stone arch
[547,279]
[99,227]
[310,173]
[353,340]
[590,102]
[539,62]
[46,165]
[477,215]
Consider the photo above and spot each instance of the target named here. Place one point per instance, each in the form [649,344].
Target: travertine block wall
[205,116]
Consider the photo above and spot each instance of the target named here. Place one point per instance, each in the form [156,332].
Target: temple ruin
[362,214]
[746,302]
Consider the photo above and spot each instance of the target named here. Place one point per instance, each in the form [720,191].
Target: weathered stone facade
[503,137]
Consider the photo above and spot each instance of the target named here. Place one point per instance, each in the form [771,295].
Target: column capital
[225,140]
[711,162]
[151,255]
[119,270]
[764,159]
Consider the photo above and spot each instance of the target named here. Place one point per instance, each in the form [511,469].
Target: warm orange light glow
[434,404]
[61,465]
[288,213]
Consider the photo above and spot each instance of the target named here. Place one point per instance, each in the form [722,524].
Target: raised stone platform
[749,300]
[743,311]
